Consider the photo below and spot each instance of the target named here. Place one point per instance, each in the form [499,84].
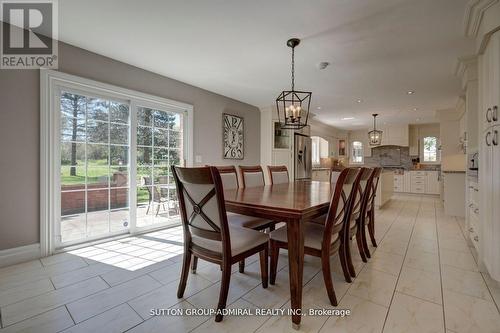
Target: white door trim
[50,82]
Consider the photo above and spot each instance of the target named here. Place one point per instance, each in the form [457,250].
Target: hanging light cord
[293,68]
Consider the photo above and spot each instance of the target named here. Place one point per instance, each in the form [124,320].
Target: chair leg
[348,257]
[242,266]
[147,210]
[272,227]
[327,276]
[194,264]
[366,249]
[275,251]
[264,255]
[224,289]
[157,210]
[359,241]
[184,274]
[343,263]
[371,228]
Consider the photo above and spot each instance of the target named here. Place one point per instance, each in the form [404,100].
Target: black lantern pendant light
[375,136]
[292,105]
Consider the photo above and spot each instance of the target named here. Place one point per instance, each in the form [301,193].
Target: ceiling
[378,50]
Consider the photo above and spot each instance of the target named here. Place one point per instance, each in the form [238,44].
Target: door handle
[487,139]
[495,113]
[488,115]
[495,138]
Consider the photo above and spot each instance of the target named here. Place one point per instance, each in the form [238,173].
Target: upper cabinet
[413,140]
[396,135]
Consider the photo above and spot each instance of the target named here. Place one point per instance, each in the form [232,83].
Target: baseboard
[19,254]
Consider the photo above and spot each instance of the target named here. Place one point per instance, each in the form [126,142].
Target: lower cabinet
[421,182]
[322,175]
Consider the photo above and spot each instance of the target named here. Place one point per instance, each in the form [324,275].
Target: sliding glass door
[95,177]
[159,146]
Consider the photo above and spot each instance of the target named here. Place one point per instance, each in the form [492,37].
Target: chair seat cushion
[242,240]
[245,221]
[313,235]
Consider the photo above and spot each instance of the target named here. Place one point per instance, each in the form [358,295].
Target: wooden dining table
[293,203]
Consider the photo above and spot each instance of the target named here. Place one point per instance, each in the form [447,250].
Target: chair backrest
[334,175]
[278,174]
[362,187]
[341,204]
[376,177]
[153,193]
[229,177]
[252,176]
[203,212]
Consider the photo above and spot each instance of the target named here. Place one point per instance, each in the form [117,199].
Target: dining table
[293,203]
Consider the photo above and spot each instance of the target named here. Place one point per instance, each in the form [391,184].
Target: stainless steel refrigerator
[303,157]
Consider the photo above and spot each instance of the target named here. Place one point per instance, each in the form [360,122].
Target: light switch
[198,159]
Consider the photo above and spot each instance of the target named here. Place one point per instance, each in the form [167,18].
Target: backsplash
[397,157]
[390,156]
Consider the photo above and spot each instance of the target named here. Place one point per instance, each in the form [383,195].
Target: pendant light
[292,105]
[375,136]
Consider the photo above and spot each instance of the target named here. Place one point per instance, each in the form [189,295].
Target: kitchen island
[385,188]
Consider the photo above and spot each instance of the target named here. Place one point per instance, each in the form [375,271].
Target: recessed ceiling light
[418,119]
[348,118]
[415,109]
[359,101]
[410,92]
[319,108]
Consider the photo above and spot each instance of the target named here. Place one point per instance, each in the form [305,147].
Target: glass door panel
[159,146]
[94,172]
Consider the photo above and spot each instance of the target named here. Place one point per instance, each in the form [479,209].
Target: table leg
[295,232]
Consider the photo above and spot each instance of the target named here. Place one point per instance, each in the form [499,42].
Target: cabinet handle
[487,139]
[471,229]
[495,138]
[476,190]
[488,115]
[476,238]
[476,210]
[495,113]
[471,205]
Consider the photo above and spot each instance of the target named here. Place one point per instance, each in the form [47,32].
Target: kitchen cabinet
[322,175]
[418,182]
[489,173]
[396,135]
[413,141]
[432,184]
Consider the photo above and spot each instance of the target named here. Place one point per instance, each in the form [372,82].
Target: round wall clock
[233,137]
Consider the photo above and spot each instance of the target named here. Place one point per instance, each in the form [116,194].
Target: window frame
[51,83]
[362,152]
[422,153]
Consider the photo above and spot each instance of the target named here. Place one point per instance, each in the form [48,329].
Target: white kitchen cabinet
[413,140]
[399,184]
[432,185]
[397,135]
[322,175]
[418,180]
[407,180]
[489,173]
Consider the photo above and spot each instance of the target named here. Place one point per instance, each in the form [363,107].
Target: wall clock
[233,137]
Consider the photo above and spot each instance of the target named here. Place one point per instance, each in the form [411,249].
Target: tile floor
[422,278]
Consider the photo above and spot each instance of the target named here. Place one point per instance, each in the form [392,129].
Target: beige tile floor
[422,278]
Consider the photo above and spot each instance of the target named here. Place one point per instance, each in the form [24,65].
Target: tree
[73,106]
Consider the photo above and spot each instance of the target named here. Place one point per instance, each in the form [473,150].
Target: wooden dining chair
[252,176]
[229,177]
[323,241]
[370,216]
[278,174]
[207,233]
[355,218]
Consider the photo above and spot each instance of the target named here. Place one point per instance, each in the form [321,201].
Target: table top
[298,199]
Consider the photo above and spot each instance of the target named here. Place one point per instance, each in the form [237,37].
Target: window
[319,149]
[357,152]
[109,150]
[430,149]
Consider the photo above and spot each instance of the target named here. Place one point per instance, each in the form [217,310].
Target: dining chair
[278,174]
[355,218]
[207,233]
[154,196]
[323,241]
[229,177]
[370,218]
[365,190]
[252,176]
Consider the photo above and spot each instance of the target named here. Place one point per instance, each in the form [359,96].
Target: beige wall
[20,130]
